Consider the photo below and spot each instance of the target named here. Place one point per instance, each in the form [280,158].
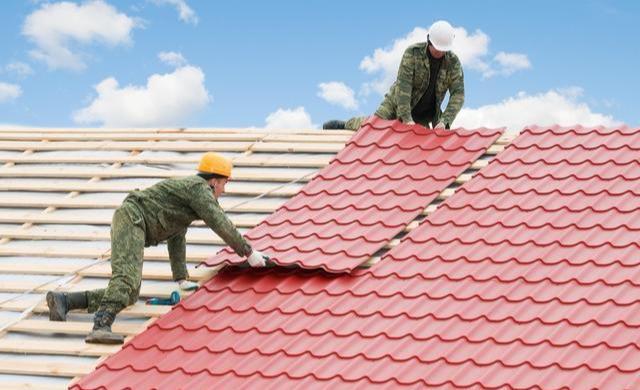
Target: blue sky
[299,63]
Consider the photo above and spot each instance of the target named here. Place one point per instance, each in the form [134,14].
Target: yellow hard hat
[215,163]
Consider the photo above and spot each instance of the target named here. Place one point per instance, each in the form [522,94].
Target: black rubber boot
[101,333]
[60,303]
[333,125]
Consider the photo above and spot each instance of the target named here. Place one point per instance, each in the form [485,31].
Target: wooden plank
[233,188]
[137,310]
[55,347]
[191,130]
[177,146]
[279,147]
[495,149]
[479,164]
[430,209]
[72,327]
[207,238]
[32,386]
[43,367]
[211,137]
[99,271]
[465,177]
[255,206]
[132,136]
[146,291]
[254,160]
[243,221]
[68,173]
[82,253]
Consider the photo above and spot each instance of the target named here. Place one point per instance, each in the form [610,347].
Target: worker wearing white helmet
[427,71]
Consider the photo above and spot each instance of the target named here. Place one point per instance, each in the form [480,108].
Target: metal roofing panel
[383,178]
[480,295]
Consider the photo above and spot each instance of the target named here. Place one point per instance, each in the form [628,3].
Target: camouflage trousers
[127,252]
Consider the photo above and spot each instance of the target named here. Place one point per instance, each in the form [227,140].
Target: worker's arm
[456,91]
[404,84]
[206,206]
[177,246]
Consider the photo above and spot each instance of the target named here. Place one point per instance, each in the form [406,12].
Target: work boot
[334,125]
[60,303]
[101,333]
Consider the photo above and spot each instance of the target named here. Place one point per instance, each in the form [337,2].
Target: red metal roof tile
[481,295]
[383,178]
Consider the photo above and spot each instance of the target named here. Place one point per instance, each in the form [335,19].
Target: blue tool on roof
[172,300]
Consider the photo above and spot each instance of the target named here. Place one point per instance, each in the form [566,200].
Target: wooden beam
[32,386]
[177,146]
[495,149]
[255,160]
[147,291]
[238,175]
[255,206]
[465,177]
[193,256]
[72,327]
[191,130]
[43,367]
[107,136]
[103,270]
[137,310]
[210,137]
[479,164]
[243,221]
[233,188]
[55,347]
[207,238]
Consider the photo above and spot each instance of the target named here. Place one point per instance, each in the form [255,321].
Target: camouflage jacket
[413,80]
[169,207]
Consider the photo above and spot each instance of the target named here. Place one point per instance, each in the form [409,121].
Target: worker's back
[165,206]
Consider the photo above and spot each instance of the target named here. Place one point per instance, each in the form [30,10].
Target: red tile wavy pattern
[383,178]
[479,296]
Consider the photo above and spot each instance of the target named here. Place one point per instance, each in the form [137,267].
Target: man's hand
[257,259]
[411,123]
[440,126]
[187,285]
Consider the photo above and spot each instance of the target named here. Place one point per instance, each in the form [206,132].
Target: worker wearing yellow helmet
[162,212]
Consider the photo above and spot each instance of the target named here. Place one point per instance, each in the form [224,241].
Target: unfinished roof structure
[58,191]
[519,275]
[524,278]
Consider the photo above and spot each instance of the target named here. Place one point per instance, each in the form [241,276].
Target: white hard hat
[441,35]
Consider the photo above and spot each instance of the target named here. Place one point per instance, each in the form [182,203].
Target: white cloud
[57,27]
[559,106]
[296,118]
[166,100]
[172,58]
[19,68]
[512,62]
[9,92]
[186,13]
[472,49]
[338,93]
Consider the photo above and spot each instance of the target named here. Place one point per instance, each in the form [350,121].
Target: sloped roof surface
[384,177]
[510,283]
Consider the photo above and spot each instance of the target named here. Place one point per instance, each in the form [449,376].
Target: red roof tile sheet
[540,294]
[384,177]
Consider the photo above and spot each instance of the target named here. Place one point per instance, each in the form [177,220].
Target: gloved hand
[411,123]
[441,126]
[257,259]
[187,285]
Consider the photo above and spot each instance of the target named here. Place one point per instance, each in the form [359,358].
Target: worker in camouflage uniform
[161,212]
[427,71]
